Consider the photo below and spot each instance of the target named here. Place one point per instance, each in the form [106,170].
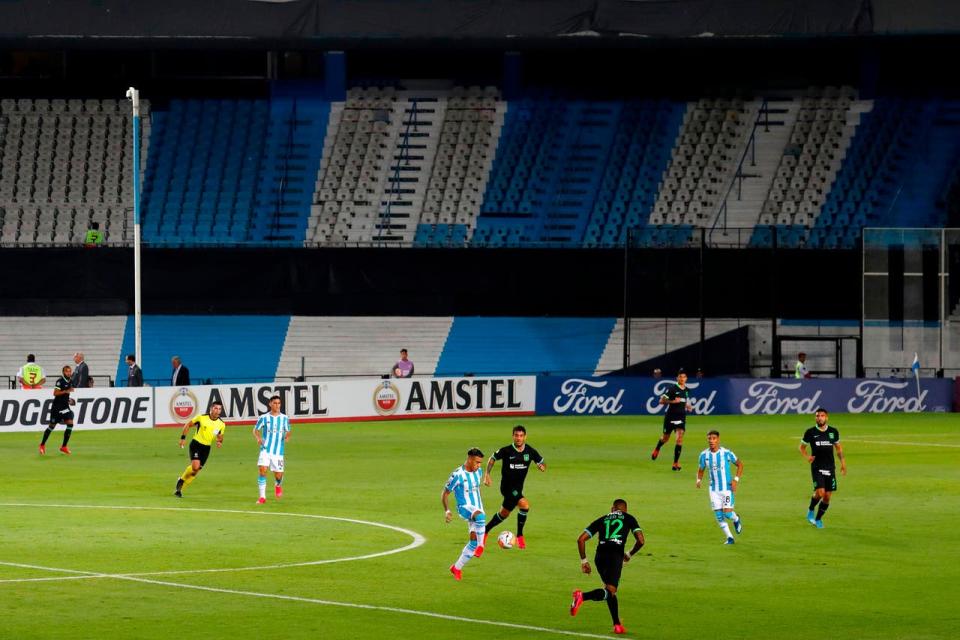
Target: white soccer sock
[464,558]
[733,514]
[726,529]
[262,486]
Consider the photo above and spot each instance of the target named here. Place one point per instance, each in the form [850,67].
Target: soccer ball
[505,540]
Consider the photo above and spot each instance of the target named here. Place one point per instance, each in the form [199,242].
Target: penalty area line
[276,596]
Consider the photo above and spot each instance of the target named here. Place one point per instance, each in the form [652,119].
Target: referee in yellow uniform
[210,429]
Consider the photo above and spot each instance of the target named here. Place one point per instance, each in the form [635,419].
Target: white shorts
[720,500]
[268,460]
[466,513]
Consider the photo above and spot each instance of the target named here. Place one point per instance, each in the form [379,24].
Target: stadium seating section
[434,165]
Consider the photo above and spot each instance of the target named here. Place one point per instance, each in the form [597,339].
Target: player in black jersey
[823,440]
[516,462]
[611,531]
[60,411]
[677,401]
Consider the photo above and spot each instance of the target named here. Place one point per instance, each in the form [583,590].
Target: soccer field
[95,544]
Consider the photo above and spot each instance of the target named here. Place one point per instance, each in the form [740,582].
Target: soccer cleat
[64,450]
[577,601]
[738,525]
[656,452]
[811,518]
[730,541]
[478,552]
[521,544]
[457,573]
[818,524]
[676,466]
[43,449]
[261,501]
[278,491]
[177,493]
[618,629]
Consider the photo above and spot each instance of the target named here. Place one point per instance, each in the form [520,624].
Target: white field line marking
[418,539]
[329,603]
[905,444]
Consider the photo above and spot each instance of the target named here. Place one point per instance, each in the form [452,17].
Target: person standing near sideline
[81,372]
[823,440]
[272,432]
[181,375]
[134,373]
[60,412]
[403,368]
[677,400]
[716,461]
[611,531]
[30,375]
[800,370]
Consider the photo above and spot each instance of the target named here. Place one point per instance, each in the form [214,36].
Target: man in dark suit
[134,373]
[81,373]
[181,375]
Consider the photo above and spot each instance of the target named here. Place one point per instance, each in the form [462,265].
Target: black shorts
[824,478]
[199,451]
[674,422]
[60,416]
[609,568]
[511,497]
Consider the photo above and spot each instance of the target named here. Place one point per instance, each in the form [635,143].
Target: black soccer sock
[813,503]
[596,594]
[66,435]
[46,433]
[179,483]
[822,510]
[494,521]
[614,607]
[521,520]
[659,444]
[677,448]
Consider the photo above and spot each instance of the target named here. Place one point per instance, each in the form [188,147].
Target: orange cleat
[43,449]
[656,452]
[457,573]
[278,491]
[478,552]
[520,543]
[64,450]
[261,501]
[618,629]
[577,601]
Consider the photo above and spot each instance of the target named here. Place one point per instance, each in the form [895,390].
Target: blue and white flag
[916,365]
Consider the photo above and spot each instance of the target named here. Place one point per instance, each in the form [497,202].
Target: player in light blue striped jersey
[464,483]
[716,461]
[272,432]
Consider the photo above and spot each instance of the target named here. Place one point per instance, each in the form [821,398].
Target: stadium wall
[377,399]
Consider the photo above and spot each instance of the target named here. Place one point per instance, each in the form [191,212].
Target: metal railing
[739,175]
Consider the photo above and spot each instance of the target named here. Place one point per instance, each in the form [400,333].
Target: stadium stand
[66,164]
[220,348]
[54,340]
[569,346]
[337,346]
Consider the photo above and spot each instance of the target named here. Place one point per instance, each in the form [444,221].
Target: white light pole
[134,97]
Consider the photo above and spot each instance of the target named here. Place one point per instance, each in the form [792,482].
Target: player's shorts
[609,568]
[511,497]
[32,386]
[720,500]
[467,514]
[273,461]
[62,415]
[825,479]
[199,451]
[673,422]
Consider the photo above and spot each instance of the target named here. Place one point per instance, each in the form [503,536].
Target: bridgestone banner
[107,408]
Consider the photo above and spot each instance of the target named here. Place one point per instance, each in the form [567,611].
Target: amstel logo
[386,398]
[183,406]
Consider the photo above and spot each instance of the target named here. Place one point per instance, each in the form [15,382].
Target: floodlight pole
[134,96]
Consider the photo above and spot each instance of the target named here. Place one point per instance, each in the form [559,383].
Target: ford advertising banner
[747,396]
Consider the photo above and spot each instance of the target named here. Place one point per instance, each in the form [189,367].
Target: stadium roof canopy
[318,21]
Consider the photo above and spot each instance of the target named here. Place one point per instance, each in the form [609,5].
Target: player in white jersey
[716,461]
[271,432]
[464,483]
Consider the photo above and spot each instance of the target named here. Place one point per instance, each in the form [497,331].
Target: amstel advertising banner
[345,400]
[106,408]
[747,396]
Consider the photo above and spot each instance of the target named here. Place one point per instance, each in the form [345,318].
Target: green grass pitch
[128,560]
